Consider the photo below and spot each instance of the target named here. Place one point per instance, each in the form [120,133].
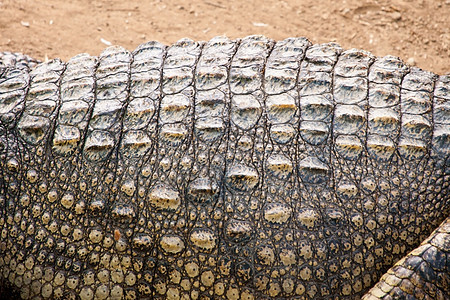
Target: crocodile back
[223,169]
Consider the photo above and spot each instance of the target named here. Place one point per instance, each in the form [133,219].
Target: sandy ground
[416,31]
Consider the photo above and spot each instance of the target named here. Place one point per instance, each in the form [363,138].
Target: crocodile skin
[245,169]
[16,60]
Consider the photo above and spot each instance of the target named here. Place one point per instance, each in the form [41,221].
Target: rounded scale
[202,189]
[209,129]
[280,108]
[314,132]
[171,244]
[65,139]
[164,197]
[348,119]
[411,149]
[348,146]
[67,200]
[279,166]
[277,213]
[174,108]
[238,231]
[135,143]
[245,111]
[173,134]
[380,147]
[138,113]
[265,255]
[282,133]
[33,129]
[12,164]
[123,213]
[98,146]
[347,190]
[241,177]
[142,241]
[96,235]
[368,185]
[204,239]
[308,218]
[312,170]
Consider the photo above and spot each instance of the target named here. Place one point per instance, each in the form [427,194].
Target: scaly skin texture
[17,60]
[245,169]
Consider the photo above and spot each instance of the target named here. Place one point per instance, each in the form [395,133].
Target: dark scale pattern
[318,222]
[349,161]
[247,169]
[382,208]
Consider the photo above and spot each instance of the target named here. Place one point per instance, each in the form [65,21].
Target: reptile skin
[17,60]
[245,169]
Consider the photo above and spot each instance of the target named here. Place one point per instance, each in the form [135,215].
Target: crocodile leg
[424,273]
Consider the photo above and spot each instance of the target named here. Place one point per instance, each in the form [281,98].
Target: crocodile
[227,169]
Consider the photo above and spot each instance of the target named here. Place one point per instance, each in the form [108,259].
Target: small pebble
[396,16]
[411,61]
[256,24]
[107,43]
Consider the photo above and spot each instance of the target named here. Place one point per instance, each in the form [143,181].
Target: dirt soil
[418,31]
